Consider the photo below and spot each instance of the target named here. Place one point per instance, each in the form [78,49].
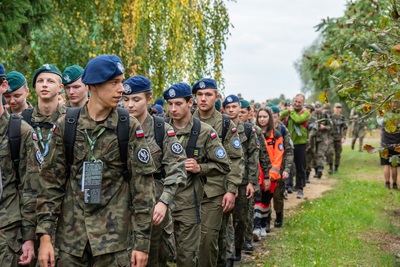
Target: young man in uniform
[75,89]
[338,136]
[17,92]
[47,83]
[18,188]
[220,191]
[251,149]
[207,162]
[169,158]
[105,206]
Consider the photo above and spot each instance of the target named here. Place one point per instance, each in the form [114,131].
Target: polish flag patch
[234,130]
[34,136]
[139,133]
[213,135]
[171,133]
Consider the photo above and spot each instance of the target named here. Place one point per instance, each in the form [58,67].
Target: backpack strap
[27,115]
[123,139]
[71,121]
[14,137]
[225,126]
[248,128]
[159,129]
[193,138]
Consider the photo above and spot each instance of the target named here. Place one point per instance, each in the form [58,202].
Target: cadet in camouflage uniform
[264,161]
[310,150]
[208,166]
[251,150]
[97,231]
[319,135]
[359,130]
[169,161]
[286,167]
[219,190]
[17,194]
[47,83]
[338,136]
[76,90]
[17,93]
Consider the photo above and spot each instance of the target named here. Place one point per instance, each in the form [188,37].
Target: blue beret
[136,84]
[159,101]
[2,70]
[72,74]
[230,99]
[178,90]
[101,69]
[45,68]
[244,103]
[15,80]
[159,108]
[205,83]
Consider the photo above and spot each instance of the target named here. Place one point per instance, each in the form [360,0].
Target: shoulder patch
[220,153]
[234,130]
[34,136]
[171,133]
[39,157]
[254,130]
[139,133]
[177,148]
[213,135]
[236,143]
[280,147]
[143,155]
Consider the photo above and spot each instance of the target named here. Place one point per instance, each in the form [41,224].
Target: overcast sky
[267,38]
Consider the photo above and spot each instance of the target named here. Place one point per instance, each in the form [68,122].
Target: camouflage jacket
[171,160]
[234,150]
[18,201]
[251,154]
[40,118]
[126,206]
[339,127]
[213,161]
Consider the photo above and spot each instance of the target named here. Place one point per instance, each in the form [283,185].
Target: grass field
[357,223]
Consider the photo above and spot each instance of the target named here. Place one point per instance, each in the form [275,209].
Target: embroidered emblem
[143,155]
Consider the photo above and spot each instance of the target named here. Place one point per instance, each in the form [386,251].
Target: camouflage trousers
[321,147]
[10,245]
[162,243]
[335,148]
[187,237]
[311,157]
[278,198]
[117,259]
[250,218]
[211,221]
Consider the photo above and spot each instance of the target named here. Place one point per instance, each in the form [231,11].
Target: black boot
[279,220]
[229,262]
[248,246]
[316,173]
[330,171]
[336,168]
[238,254]
[319,172]
[268,222]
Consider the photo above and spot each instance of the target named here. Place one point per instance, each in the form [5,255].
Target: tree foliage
[166,40]
[357,59]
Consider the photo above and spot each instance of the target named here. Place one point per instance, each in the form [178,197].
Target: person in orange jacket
[274,143]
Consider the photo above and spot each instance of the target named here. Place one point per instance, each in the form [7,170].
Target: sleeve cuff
[28,234]
[141,244]
[232,188]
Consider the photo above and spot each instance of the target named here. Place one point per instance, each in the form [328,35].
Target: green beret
[274,109]
[72,74]
[217,104]
[45,68]
[244,103]
[15,80]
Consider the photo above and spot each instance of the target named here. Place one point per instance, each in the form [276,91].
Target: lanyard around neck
[93,142]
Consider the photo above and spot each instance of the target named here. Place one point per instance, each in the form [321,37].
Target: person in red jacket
[274,143]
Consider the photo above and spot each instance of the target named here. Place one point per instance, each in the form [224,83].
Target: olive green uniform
[211,206]
[359,131]
[18,197]
[339,129]
[251,151]
[171,161]
[122,219]
[320,137]
[214,164]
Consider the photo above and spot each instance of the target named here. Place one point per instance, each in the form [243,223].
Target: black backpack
[14,137]
[71,119]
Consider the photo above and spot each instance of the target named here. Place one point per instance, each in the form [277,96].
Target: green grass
[343,228]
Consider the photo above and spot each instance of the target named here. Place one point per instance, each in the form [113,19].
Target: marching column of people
[101,185]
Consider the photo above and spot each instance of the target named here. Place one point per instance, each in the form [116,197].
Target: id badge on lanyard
[92,176]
